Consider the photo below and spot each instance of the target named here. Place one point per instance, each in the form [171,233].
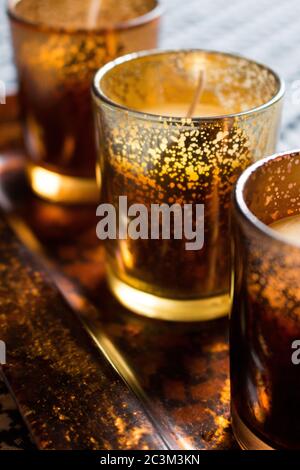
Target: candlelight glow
[170,309]
[61,188]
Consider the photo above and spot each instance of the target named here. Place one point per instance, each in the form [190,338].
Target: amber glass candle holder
[161,142]
[59,44]
[265,321]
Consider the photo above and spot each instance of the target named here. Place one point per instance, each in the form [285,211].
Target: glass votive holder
[178,127]
[59,45]
[265,320]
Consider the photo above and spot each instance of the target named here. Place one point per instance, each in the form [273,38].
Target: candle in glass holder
[59,45]
[178,128]
[265,319]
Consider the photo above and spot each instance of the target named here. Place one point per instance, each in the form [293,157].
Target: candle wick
[197,94]
[93,13]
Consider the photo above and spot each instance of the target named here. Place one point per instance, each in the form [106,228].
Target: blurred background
[265,30]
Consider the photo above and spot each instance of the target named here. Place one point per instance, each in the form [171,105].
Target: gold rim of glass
[151,15]
[242,207]
[100,74]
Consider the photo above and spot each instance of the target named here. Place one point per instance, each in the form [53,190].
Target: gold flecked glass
[153,151]
[265,319]
[59,44]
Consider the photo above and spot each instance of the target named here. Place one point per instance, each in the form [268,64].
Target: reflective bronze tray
[85,372]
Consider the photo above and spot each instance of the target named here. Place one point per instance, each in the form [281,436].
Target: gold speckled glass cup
[265,319]
[59,45]
[154,148]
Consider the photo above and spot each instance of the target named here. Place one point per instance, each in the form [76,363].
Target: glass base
[246,439]
[64,189]
[162,308]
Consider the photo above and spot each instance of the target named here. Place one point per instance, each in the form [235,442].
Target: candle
[201,120]
[289,227]
[265,319]
[58,48]
[181,110]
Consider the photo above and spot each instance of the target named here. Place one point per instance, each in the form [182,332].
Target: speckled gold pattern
[182,369]
[74,15]
[157,159]
[68,394]
[265,319]
[57,56]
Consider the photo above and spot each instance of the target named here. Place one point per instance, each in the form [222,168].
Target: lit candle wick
[197,95]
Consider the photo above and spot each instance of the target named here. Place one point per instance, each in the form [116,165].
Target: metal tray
[87,373]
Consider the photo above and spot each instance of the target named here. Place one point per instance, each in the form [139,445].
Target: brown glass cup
[59,44]
[152,150]
[265,320]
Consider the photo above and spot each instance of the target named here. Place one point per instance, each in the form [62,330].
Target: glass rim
[99,94]
[242,208]
[151,15]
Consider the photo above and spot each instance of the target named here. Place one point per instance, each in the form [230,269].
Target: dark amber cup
[59,44]
[265,320]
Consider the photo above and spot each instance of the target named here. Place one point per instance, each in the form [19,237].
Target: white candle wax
[181,110]
[289,227]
